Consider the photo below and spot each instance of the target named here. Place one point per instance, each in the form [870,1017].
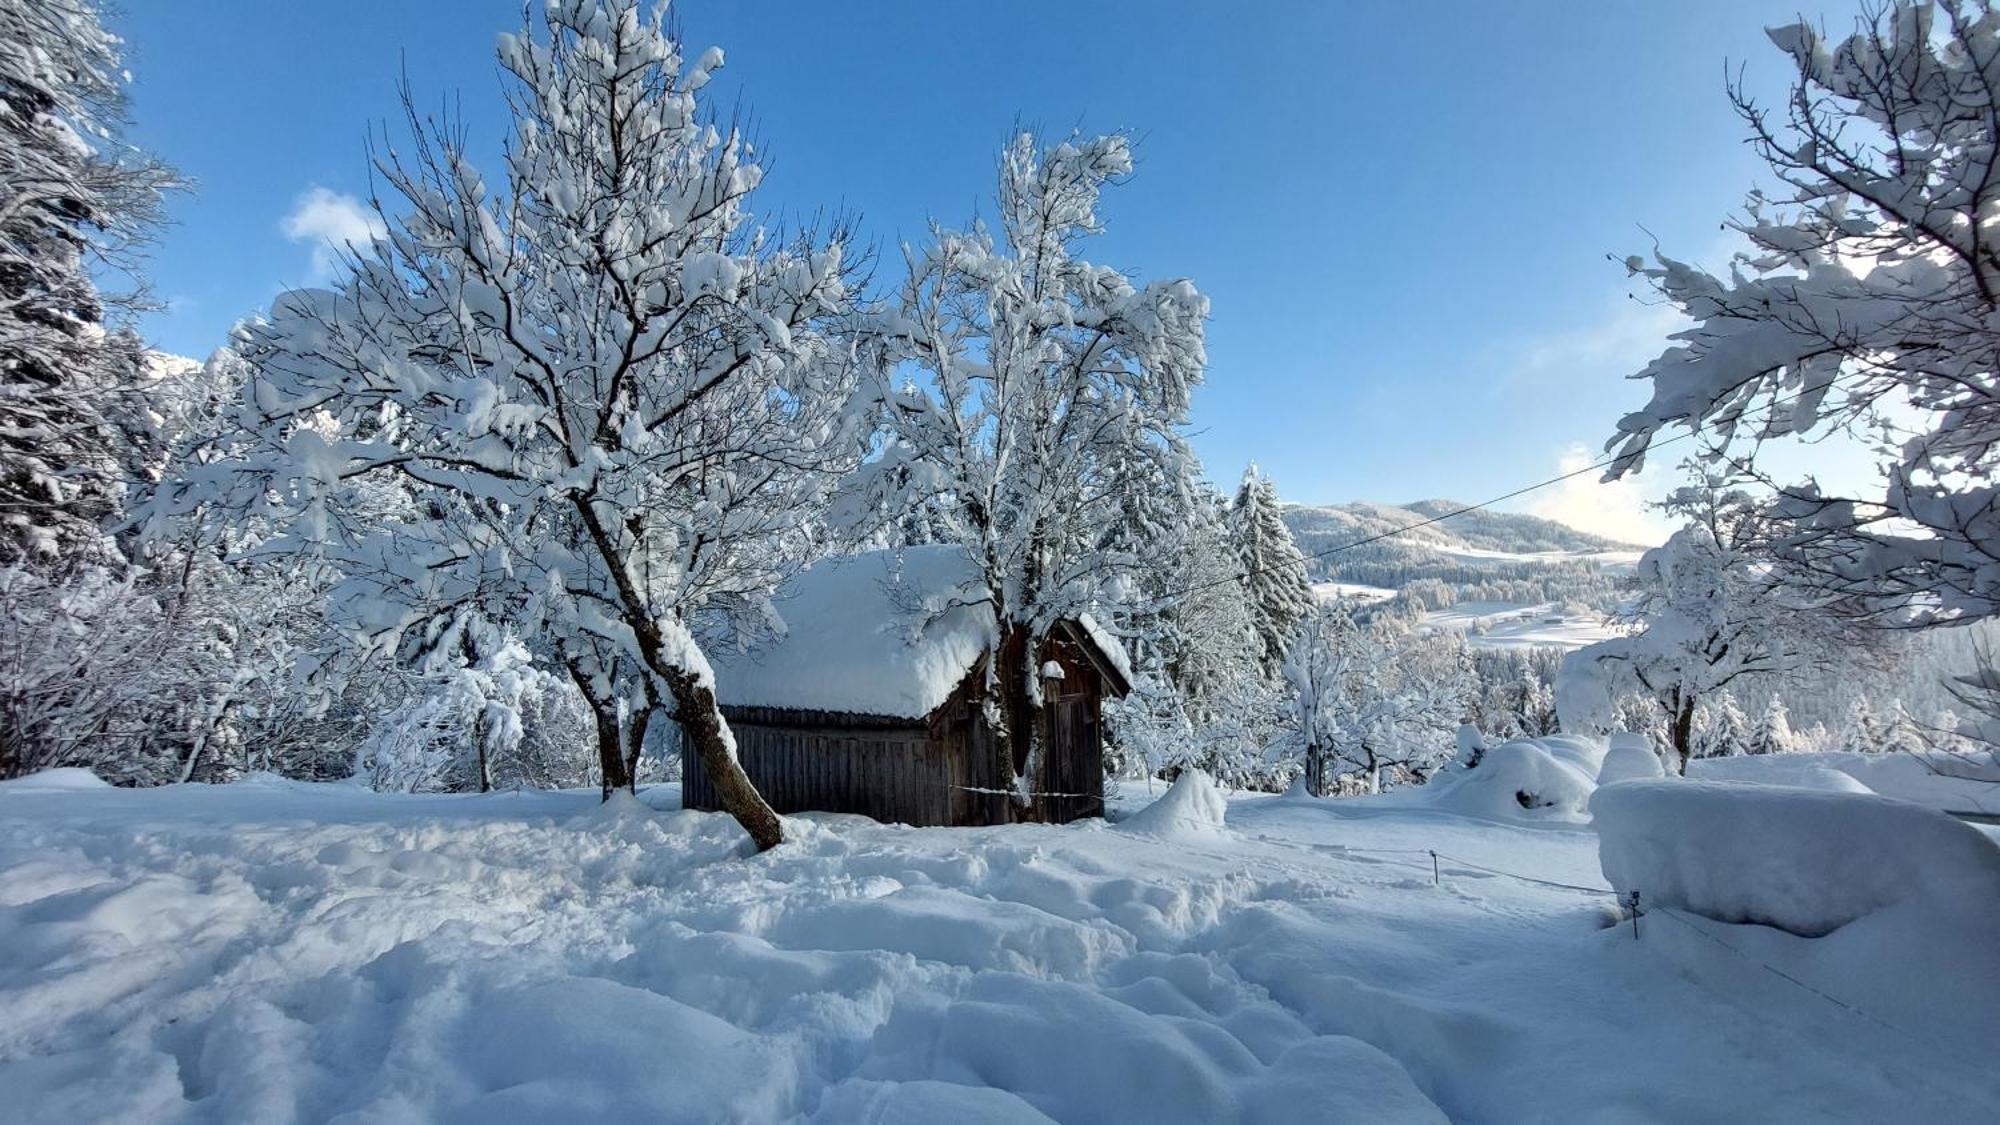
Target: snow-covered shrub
[1526,779]
[1628,757]
[499,722]
[1785,857]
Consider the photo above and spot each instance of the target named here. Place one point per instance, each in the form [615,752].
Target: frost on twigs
[602,406]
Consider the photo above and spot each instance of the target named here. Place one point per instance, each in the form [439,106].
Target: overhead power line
[1594,466]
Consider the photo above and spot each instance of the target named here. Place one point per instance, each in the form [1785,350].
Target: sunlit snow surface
[271,952]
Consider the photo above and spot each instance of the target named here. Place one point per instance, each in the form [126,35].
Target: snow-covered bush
[1527,779]
[1628,757]
[499,721]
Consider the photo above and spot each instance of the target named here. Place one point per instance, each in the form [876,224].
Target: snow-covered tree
[1723,729]
[1709,613]
[1370,703]
[1274,573]
[614,403]
[1036,392]
[1862,732]
[1773,732]
[481,719]
[1872,286]
[74,198]
[1901,732]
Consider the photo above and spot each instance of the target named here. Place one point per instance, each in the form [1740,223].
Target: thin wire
[1528,878]
[1692,431]
[1821,993]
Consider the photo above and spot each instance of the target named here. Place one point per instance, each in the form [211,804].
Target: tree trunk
[612,774]
[703,725]
[635,739]
[479,741]
[1015,744]
[1315,771]
[694,704]
[1683,734]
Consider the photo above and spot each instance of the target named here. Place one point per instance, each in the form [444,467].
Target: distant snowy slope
[1319,526]
[1508,580]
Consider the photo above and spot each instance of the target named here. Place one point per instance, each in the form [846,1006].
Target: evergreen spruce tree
[1274,572]
[1774,730]
[1863,732]
[1728,729]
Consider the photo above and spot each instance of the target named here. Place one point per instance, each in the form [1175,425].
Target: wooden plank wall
[890,774]
[939,773]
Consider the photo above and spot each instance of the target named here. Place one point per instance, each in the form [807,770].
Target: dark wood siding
[941,770]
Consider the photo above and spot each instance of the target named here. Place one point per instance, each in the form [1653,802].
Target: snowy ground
[271,951]
[1514,625]
[1355,591]
[1610,560]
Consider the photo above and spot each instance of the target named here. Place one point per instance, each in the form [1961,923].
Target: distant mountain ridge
[1480,555]
[1481,529]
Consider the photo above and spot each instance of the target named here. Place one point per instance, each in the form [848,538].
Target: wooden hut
[871,701]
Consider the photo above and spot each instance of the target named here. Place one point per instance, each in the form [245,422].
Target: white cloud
[1622,341]
[328,221]
[1617,510]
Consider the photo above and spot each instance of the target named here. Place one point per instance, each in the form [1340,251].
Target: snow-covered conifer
[1274,573]
[1862,732]
[1773,732]
[1726,731]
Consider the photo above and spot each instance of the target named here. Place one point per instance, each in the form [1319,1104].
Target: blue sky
[1400,213]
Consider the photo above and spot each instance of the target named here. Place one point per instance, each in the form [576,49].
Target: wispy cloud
[1617,510]
[1623,340]
[328,221]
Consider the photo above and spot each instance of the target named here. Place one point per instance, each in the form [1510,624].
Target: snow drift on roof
[879,633]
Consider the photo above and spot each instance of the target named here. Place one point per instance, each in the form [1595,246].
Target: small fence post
[1635,915]
[1436,880]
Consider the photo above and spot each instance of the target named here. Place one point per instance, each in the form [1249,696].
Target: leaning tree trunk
[694,702]
[702,725]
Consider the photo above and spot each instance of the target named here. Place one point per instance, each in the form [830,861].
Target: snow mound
[1193,806]
[1799,771]
[1629,757]
[63,779]
[1801,860]
[1525,779]
[1950,782]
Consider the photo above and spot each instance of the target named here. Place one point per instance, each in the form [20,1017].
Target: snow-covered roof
[888,632]
[878,633]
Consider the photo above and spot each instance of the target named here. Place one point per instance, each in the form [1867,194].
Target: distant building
[871,701]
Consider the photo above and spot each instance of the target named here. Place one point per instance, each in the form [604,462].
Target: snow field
[275,952]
